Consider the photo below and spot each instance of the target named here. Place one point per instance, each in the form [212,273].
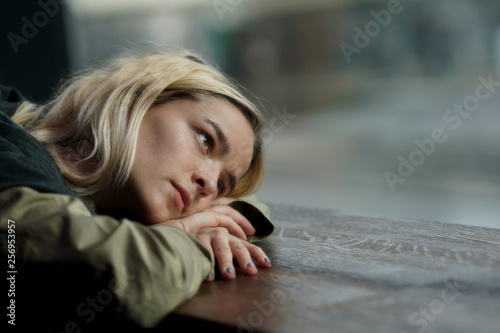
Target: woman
[131,175]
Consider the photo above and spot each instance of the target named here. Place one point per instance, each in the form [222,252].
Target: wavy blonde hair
[95,118]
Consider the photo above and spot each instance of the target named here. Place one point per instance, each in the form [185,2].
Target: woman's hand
[217,215]
[226,247]
[223,231]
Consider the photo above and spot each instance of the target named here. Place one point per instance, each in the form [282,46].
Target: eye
[206,140]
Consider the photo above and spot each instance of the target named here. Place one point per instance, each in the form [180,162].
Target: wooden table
[335,272]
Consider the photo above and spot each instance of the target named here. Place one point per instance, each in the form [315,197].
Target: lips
[182,198]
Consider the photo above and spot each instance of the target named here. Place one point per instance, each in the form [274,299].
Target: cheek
[178,156]
[160,148]
[166,158]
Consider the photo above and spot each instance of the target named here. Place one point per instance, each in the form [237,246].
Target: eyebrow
[226,149]
[220,136]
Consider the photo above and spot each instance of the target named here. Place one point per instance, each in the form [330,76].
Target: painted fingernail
[250,265]
[211,276]
[230,270]
[267,260]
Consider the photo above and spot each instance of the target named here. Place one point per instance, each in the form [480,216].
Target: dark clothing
[24,161]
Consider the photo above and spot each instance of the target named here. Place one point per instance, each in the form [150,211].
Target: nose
[205,181]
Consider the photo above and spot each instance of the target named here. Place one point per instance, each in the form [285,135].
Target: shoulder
[24,161]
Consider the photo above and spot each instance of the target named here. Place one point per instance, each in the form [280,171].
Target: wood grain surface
[335,272]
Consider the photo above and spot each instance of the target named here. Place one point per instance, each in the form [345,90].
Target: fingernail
[267,260]
[230,270]
[250,265]
[211,276]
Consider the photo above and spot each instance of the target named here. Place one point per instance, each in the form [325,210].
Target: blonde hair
[95,118]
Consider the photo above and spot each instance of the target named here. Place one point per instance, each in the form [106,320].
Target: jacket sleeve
[257,213]
[154,268]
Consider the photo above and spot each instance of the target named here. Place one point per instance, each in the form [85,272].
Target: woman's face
[188,154]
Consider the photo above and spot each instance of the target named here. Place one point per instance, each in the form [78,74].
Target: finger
[223,254]
[258,254]
[213,218]
[206,242]
[237,217]
[242,256]
[210,277]
[231,225]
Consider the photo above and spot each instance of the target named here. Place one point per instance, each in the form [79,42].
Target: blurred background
[347,87]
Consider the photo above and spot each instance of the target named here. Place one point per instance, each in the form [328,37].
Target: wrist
[173,223]
[179,224]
